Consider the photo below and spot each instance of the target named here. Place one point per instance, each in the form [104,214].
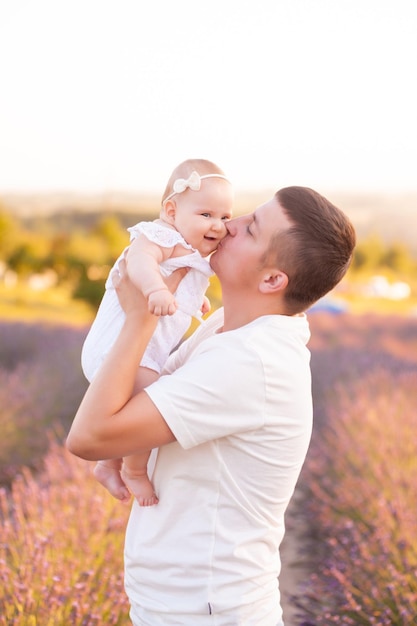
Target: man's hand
[130,297]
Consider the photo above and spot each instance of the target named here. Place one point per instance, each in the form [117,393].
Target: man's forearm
[113,385]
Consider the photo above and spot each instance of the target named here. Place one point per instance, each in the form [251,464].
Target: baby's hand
[162,302]
[206,306]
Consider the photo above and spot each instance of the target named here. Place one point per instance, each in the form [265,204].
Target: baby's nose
[218,224]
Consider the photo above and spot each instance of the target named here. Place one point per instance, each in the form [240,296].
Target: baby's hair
[184,169]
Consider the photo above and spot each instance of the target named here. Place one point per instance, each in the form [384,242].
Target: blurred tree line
[80,248]
[373,255]
[78,255]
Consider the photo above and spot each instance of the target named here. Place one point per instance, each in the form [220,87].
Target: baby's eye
[226,218]
[205,214]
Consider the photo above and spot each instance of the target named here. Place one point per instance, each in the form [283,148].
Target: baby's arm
[143,260]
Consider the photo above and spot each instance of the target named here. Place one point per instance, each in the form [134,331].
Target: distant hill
[46,204]
[391,216]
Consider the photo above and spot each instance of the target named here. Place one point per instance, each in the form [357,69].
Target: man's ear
[169,210]
[272,281]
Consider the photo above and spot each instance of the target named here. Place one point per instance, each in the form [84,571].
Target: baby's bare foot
[140,486]
[109,476]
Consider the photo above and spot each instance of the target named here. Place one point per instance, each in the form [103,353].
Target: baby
[196,204]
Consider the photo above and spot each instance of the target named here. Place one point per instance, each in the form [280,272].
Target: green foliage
[9,234]
[30,256]
[80,249]
[116,238]
[397,257]
[372,255]
[90,291]
[87,249]
[81,258]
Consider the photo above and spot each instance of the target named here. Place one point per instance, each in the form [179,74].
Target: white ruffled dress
[170,328]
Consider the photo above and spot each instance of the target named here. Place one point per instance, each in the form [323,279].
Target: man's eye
[248,231]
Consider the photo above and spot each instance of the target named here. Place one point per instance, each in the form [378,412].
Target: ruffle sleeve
[158,233]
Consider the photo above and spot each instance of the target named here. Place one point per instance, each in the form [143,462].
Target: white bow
[193,182]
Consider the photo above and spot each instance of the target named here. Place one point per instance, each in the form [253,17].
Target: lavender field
[358,484]
[41,384]
[61,535]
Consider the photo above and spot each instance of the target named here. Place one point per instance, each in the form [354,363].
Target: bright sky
[101,95]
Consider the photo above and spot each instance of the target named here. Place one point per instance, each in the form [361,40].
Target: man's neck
[241,311]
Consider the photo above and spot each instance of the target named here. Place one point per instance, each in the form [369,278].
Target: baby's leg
[134,469]
[135,476]
[108,474]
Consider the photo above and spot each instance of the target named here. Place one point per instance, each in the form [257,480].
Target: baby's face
[200,216]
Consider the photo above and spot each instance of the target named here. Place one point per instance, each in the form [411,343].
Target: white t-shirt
[239,404]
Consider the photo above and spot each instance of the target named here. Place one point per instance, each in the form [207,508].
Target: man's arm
[109,423]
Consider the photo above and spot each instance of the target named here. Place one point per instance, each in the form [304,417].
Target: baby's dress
[170,328]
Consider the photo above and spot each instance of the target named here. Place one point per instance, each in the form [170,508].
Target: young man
[231,415]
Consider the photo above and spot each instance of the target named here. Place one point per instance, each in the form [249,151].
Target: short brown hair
[316,251]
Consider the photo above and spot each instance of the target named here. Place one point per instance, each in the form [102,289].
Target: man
[231,415]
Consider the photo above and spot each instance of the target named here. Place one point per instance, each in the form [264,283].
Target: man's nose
[232,225]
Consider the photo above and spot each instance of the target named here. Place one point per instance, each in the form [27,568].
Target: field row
[61,535]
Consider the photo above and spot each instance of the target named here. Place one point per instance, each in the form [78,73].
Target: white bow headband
[193,182]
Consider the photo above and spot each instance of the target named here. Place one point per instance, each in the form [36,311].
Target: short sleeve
[216,393]
[159,234]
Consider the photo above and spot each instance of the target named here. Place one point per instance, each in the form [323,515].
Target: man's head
[293,250]
[316,251]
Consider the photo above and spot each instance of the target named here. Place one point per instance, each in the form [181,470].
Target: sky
[110,95]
